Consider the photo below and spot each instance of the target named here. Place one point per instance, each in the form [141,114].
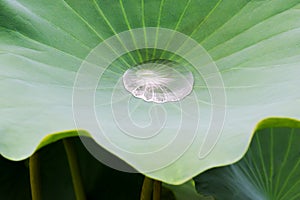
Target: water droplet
[158,81]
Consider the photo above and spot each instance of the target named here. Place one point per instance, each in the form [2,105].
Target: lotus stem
[156,190]
[147,189]
[34,171]
[75,173]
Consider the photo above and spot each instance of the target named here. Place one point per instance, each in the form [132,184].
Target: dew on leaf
[158,82]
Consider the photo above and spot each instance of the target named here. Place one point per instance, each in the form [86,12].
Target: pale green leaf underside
[255,45]
[186,191]
[269,170]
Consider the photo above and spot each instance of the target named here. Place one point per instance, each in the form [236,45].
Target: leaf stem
[156,190]
[75,173]
[147,189]
[34,171]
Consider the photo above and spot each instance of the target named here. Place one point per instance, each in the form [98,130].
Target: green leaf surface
[269,170]
[254,44]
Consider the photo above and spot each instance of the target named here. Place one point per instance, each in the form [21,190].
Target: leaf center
[158,81]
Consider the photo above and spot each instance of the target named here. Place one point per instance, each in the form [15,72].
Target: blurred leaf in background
[269,170]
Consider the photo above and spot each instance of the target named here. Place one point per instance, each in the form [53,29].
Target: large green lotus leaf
[269,170]
[253,47]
